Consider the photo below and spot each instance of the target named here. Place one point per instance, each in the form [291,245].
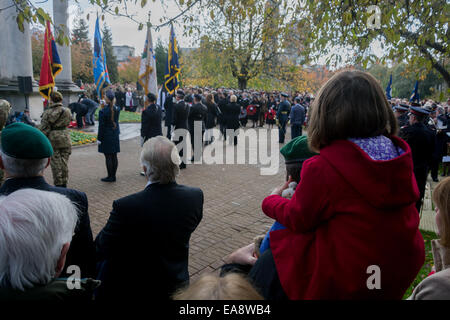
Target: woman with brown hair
[352,219]
[108,134]
[437,286]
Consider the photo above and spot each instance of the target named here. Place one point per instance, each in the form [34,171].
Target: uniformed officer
[54,124]
[401,113]
[180,121]
[283,115]
[421,140]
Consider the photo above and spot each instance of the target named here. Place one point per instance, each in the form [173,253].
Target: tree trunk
[242,83]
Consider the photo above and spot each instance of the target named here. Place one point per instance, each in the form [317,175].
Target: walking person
[282,115]
[213,113]
[55,120]
[108,135]
[231,117]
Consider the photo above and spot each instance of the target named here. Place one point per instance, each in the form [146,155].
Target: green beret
[297,150]
[22,141]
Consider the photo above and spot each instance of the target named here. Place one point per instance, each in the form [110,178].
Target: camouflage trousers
[60,166]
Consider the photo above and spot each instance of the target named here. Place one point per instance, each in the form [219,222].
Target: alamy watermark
[254,146]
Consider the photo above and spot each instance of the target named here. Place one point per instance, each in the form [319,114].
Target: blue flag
[415,94]
[389,89]
[172,71]
[101,77]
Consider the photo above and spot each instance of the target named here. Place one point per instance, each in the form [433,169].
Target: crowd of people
[350,202]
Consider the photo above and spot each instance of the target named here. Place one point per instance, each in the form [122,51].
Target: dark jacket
[180,115]
[150,230]
[82,250]
[298,114]
[79,108]
[213,113]
[55,291]
[151,122]
[91,104]
[284,109]
[108,135]
[231,115]
[169,106]
[198,112]
[421,140]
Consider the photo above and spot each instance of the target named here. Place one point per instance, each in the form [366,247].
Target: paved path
[233,194]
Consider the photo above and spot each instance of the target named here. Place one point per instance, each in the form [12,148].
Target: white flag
[147,70]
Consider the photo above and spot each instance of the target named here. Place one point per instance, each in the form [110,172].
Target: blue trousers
[296,130]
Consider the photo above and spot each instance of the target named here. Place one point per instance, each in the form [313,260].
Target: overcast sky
[125,31]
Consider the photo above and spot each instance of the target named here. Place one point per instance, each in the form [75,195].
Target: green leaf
[87,17]
[141,26]
[143,3]
[19,20]
[181,2]
[116,10]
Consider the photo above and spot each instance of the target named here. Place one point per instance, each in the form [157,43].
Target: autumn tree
[251,32]
[412,31]
[161,60]
[37,50]
[129,70]
[80,33]
[111,61]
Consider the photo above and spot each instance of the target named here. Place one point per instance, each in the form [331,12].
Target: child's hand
[279,190]
[243,255]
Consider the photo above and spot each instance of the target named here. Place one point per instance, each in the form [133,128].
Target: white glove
[99,142]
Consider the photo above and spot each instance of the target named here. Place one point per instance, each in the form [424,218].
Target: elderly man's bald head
[160,160]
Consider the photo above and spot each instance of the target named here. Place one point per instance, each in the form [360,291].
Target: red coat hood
[393,180]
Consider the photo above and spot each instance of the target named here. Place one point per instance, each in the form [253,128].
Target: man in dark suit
[180,122]
[24,156]
[169,106]
[422,143]
[145,243]
[197,114]
[151,119]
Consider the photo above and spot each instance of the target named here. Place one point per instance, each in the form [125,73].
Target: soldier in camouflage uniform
[5,109]
[54,124]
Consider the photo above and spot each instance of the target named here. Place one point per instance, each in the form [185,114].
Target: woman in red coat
[351,226]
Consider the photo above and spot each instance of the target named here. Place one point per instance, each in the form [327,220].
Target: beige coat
[437,286]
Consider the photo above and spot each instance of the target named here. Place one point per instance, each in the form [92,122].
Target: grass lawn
[125,116]
[426,268]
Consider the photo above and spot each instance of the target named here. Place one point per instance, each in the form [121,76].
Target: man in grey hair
[153,227]
[36,229]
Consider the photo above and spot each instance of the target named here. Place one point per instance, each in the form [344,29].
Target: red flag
[51,64]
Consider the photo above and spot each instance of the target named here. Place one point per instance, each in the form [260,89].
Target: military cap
[180,93]
[419,111]
[297,150]
[22,141]
[415,104]
[402,107]
[284,94]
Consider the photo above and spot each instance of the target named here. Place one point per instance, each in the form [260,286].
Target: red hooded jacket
[348,212]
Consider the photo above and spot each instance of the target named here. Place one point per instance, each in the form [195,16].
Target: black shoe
[182,166]
[435,179]
[143,173]
[109,179]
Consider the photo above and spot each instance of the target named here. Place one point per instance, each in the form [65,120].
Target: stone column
[63,80]
[15,61]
